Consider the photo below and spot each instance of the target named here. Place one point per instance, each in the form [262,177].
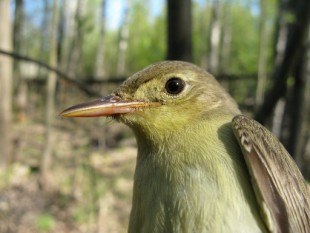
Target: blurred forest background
[75,175]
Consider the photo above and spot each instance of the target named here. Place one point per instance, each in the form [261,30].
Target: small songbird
[201,166]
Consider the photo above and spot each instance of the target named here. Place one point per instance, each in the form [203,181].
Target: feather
[279,186]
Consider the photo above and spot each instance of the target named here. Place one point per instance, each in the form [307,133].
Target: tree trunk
[226,41]
[300,109]
[123,42]
[77,41]
[297,32]
[99,67]
[302,147]
[277,121]
[5,85]
[280,41]
[44,37]
[180,30]
[21,88]
[214,39]
[261,78]
[50,102]
[62,41]
[63,49]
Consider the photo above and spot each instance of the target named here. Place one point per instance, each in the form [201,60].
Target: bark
[50,103]
[77,40]
[44,36]
[20,84]
[226,40]
[300,109]
[62,49]
[280,42]
[180,30]
[5,85]
[281,34]
[297,32]
[278,117]
[215,38]
[62,35]
[18,24]
[123,42]
[262,76]
[99,67]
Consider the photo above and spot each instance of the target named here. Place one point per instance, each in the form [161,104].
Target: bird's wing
[280,189]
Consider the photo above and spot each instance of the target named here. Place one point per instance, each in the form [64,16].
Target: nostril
[115,99]
[111,98]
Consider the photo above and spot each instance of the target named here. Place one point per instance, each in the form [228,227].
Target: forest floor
[88,188]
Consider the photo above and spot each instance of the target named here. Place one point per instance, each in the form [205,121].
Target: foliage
[146,44]
[45,222]
[244,41]
[147,36]
[201,19]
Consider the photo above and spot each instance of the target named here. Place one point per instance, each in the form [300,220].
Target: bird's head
[163,97]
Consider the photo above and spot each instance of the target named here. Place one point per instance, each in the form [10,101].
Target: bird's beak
[108,106]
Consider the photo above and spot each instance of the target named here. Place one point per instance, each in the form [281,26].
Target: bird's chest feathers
[179,188]
[168,187]
[166,196]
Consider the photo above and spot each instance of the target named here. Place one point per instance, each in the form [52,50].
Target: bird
[202,166]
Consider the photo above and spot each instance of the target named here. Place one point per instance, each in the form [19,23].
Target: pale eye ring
[174,86]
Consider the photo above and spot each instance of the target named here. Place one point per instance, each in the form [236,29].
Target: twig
[60,74]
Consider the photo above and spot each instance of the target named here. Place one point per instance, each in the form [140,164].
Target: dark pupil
[174,85]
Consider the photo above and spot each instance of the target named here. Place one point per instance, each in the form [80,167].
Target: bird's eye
[175,86]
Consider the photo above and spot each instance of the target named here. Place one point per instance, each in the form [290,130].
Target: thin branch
[60,74]
[89,80]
